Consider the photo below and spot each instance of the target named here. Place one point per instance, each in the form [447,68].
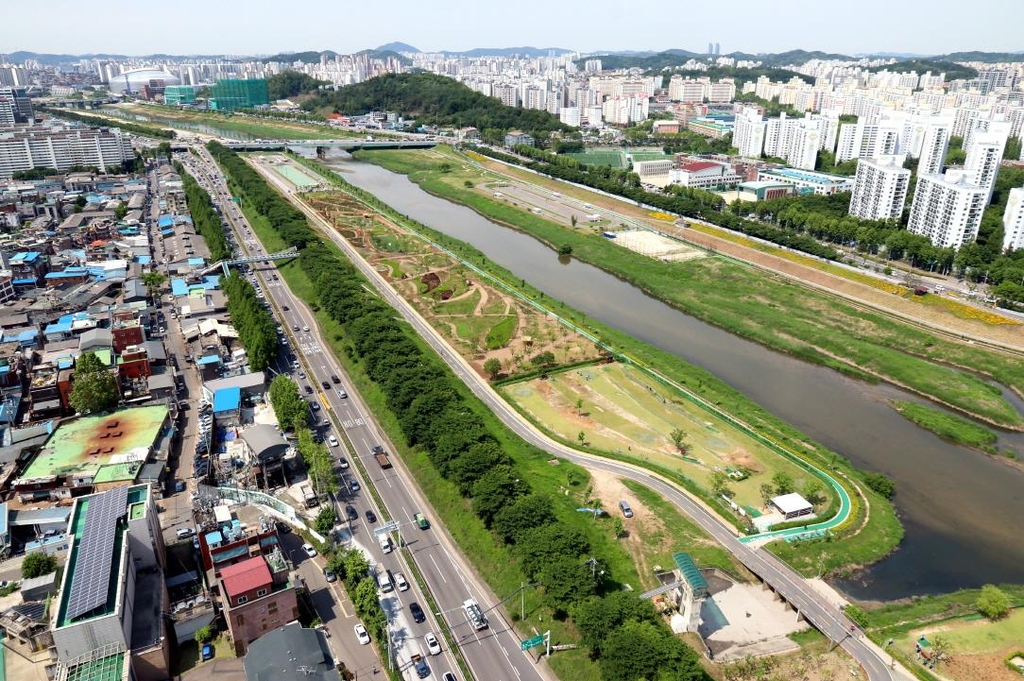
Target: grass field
[765,308]
[977,647]
[611,158]
[948,426]
[626,413]
[261,128]
[644,155]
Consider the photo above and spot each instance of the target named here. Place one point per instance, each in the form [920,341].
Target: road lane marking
[439,573]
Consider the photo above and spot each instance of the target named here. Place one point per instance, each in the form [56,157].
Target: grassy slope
[874,541]
[768,309]
[948,426]
[259,128]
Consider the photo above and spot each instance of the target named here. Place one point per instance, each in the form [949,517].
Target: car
[377,449]
[353,484]
[341,393]
[179,485]
[448,676]
[285,308]
[421,521]
[361,635]
[185,532]
[315,406]
[305,329]
[371,517]
[400,582]
[342,462]
[329,575]
[335,379]
[310,551]
[625,508]
[332,441]
[433,646]
[417,613]
[308,389]
[284,529]
[352,513]
[302,374]
[325,385]
[207,651]
[295,327]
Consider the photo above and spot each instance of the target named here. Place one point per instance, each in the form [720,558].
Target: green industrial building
[231,94]
[178,95]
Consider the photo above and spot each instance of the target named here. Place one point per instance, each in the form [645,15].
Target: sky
[253,27]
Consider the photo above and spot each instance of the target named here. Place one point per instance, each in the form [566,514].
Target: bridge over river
[351,144]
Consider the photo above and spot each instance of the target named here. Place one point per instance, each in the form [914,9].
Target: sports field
[644,155]
[621,410]
[607,157]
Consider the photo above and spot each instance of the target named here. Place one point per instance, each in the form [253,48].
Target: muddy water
[961,509]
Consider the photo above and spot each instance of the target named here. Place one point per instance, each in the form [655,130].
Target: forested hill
[434,100]
[952,71]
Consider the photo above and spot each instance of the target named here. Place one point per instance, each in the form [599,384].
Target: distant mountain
[936,66]
[396,47]
[530,52]
[987,57]
[668,59]
[308,57]
[890,55]
[386,54]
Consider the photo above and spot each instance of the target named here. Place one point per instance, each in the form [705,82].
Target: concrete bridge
[351,144]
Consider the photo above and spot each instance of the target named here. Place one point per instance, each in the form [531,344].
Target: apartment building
[60,147]
[1013,220]
[749,132]
[880,188]
[947,209]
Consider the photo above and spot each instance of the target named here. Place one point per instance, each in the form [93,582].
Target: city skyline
[231,28]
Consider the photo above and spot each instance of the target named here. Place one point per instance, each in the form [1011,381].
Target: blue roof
[166,232]
[211,281]
[179,287]
[214,537]
[196,262]
[144,259]
[165,221]
[29,256]
[208,359]
[227,399]
[67,273]
[24,282]
[61,326]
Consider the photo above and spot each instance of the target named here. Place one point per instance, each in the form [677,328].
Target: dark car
[352,513]
[314,406]
[353,484]
[284,529]
[377,449]
[309,390]
[417,613]
[325,385]
[335,380]
[285,308]
[371,517]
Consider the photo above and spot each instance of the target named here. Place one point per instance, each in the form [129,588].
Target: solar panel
[91,580]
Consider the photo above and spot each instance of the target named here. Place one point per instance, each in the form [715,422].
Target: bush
[204,634]
[37,565]
[881,483]
[993,603]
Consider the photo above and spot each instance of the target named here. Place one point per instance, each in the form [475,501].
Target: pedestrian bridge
[351,144]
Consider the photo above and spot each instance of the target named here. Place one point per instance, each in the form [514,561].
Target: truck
[309,496]
[420,665]
[474,614]
[382,457]
[421,521]
[385,542]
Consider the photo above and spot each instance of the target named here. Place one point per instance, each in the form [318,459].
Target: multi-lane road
[492,653]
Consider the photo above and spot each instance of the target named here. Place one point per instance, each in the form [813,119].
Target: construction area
[654,245]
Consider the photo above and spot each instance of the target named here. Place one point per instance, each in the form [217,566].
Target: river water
[960,508]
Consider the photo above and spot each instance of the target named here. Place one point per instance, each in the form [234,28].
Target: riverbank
[767,309]
[255,127]
[865,538]
[949,427]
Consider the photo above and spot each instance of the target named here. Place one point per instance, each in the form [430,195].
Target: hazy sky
[268,27]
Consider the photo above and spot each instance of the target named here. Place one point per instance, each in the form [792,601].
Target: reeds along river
[961,509]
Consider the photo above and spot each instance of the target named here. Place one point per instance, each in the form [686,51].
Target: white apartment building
[985,153]
[805,142]
[934,144]
[625,110]
[686,89]
[44,146]
[947,209]
[508,94]
[866,140]
[570,115]
[1013,220]
[880,188]
[749,131]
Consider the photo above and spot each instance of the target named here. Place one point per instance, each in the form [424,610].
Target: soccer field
[611,158]
[649,156]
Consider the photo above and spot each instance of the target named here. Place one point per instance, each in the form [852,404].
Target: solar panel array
[91,580]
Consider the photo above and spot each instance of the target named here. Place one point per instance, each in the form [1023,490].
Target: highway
[492,653]
[790,585]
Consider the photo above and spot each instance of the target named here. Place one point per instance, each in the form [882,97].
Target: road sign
[532,642]
[390,526]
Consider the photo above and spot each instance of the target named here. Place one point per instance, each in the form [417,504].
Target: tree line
[205,218]
[472,451]
[144,130]
[257,330]
[688,203]
[436,100]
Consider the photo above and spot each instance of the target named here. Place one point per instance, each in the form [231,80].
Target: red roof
[698,166]
[245,576]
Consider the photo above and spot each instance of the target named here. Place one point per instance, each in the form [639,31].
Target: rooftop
[245,576]
[109,448]
[805,176]
[299,647]
[791,503]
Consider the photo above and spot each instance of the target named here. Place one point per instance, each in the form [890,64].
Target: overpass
[352,144]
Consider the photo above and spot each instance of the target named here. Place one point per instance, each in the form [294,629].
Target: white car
[362,635]
[310,551]
[433,646]
[332,441]
[400,582]
[305,329]
[185,532]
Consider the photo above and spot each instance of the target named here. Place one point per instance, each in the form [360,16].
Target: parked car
[185,532]
[329,575]
[207,651]
[315,406]
[310,551]
[332,441]
[353,484]
[400,582]
[351,513]
[361,635]
[626,510]
[342,463]
[417,613]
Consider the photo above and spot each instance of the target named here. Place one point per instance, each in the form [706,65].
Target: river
[960,508]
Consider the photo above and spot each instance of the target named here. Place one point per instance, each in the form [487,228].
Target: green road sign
[532,642]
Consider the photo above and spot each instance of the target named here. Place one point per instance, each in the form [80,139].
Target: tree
[325,520]
[783,483]
[121,210]
[537,545]
[546,358]
[881,483]
[993,602]
[565,249]
[767,492]
[204,634]
[566,581]
[579,406]
[572,220]
[493,367]
[153,281]
[636,650]
[678,436]
[618,527]
[94,388]
[496,488]
[940,648]
[813,492]
[528,512]
[37,564]
[720,484]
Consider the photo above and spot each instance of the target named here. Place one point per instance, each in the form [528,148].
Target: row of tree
[205,219]
[679,201]
[287,220]
[317,458]
[438,417]
[144,130]
[257,330]
[291,409]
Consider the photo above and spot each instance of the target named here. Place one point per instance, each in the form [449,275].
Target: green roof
[690,572]
[108,448]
